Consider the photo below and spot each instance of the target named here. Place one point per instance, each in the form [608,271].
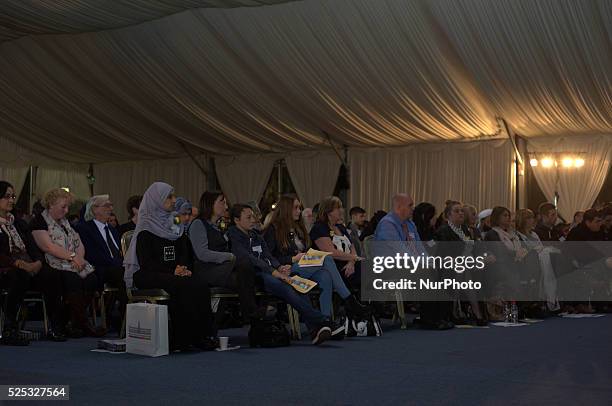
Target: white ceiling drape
[314,174]
[26,17]
[577,187]
[268,79]
[481,174]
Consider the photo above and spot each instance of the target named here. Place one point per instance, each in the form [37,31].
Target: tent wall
[478,173]
[577,187]
[124,179]
[15,176]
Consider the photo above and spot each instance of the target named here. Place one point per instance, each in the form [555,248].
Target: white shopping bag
[147,329]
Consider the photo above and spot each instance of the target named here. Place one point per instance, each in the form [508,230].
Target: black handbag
[268,334]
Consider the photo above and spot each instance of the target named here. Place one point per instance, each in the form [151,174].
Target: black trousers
[73,284]
[48,281]
[189,306]
[238,276]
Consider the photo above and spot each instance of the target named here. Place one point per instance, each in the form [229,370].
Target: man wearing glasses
[102,245]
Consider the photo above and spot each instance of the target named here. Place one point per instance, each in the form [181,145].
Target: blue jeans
[312,317]
[328,279]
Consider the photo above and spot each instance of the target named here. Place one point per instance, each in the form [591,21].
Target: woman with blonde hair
[65,253]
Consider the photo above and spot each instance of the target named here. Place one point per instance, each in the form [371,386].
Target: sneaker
[320,334]
[337,330]
[56,336]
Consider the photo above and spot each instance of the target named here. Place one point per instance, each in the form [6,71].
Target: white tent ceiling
[275,77]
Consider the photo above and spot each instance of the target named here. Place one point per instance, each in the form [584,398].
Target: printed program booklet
[302,285]
[313,258]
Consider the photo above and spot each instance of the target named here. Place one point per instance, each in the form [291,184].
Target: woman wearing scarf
[456,240]
[183,208]
[508,250]
[65,254]
[525,224]
[21,269]
[160,257]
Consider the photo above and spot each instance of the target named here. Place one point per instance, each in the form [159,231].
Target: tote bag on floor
[147,329]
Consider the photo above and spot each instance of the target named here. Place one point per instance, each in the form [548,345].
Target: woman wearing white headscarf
[160,257]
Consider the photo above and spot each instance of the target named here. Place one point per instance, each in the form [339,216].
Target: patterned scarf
[459,231]
[509,238]
[62,234]
[8,227]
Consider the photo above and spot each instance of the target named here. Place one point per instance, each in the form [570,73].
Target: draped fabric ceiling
[272,78]
[126,80]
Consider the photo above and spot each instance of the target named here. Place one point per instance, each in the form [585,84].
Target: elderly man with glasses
[102,245]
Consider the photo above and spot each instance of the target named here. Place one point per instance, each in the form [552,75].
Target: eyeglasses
[10,197]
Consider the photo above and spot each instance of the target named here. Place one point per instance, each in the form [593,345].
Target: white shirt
[101,227]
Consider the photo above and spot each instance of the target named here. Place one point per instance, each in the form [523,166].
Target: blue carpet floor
[558,361]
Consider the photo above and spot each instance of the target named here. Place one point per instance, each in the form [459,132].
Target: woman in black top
[160,256]
[424,218]
[65,255]
[329,234]
[288,241]
[21,269]
[214,263]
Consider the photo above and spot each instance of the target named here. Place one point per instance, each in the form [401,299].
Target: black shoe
[482,322]
[208,344]
[56,336]
[12,337]
[320,334]
[337,330]
[354,308]
[74,332]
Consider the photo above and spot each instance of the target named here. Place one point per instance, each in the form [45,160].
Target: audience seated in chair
[248,243]
[214,263]
[102,246]
[545,228]
[160,257]
[21,270]
[183,208]
[288,241]
[456,240]
[329,234]
[65,254]
[133,204]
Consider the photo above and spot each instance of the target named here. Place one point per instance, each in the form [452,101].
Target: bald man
[398,226]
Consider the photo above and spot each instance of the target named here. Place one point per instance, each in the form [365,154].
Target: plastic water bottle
[514,313]
[506,312]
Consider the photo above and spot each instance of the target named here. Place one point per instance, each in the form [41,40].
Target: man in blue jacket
[102,245]
[398,226]
[247,243]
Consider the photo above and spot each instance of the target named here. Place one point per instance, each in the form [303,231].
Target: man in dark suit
[102,242]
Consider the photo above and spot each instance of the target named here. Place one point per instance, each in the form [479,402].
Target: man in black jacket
[249,244]
[546,226]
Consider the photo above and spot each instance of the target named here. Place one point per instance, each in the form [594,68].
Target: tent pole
[279,179]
